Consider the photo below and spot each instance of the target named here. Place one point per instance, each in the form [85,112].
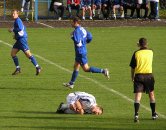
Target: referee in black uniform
[141,75]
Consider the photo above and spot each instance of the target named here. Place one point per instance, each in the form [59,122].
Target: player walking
[81,37]
[20,36]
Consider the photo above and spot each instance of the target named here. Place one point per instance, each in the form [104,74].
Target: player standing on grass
[20,36]
[141,75]
[81,37]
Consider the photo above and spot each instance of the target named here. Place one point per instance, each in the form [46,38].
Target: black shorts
[143,83]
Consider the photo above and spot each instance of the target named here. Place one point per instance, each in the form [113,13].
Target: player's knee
[86,69]
[13,54]
[28,54]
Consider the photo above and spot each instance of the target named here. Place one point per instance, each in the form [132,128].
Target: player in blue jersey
[21,43]
[81,37]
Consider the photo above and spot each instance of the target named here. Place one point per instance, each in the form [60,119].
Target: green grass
[28,102]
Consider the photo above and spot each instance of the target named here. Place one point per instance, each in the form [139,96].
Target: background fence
[40,9]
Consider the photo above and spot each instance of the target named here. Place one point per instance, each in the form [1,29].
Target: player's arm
[10,30]
[19,27]
[132,74]
[88,37]
[77,38]
[133,65]
[77,107]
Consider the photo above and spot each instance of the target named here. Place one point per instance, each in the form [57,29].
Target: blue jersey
[19,29]
[117,2]
[81,37]
[97,2]
[85,3]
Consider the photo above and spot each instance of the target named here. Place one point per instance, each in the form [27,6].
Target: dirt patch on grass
[88,23]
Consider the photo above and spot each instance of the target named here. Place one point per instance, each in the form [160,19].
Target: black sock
[136,106]
[153,106]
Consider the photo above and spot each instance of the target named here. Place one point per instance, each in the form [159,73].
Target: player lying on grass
[81,37]
[20,35]
[80,103]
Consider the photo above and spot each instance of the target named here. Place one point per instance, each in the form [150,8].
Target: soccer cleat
[106,73]
[17,71]
[136,118]
[155,116]
[59,110]
[69,85]
[38,70]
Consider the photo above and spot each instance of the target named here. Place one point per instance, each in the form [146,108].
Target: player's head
[97,110]
[142,42]
[15,13]
[75,22]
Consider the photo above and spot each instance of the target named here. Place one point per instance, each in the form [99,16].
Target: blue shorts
[82,59]
[21,44]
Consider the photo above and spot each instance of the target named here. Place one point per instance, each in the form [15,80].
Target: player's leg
[91,69]
[84,64]
[125,7]
[99,10]
[64,109]
[114,11]
[138,10]
[121,12]
[14,51]
[139,88]
[90,12]
[83,13]
[74,75]
[93,10]
[33,60]
[27,6]
[132,11]
[153,105]
[61,8]
[138,96]
[69,10]
[77,7]
[150,88]
[146,10]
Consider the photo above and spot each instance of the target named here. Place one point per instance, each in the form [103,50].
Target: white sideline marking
[45,25]
[90,79]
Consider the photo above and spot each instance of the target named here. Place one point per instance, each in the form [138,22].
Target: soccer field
[29,102]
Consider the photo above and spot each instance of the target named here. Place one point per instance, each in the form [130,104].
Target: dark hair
[142,42]
[76,19]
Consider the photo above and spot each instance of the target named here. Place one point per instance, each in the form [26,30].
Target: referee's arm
[133,65]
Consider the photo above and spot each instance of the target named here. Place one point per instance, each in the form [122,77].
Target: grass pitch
[29,102]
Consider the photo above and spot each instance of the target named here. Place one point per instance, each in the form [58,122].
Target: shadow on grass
[5,88]
[71,121]
[56,128]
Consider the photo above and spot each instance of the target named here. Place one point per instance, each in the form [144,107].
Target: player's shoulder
[18,20]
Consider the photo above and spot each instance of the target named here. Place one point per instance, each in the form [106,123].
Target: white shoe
[136,118]
[68,85]
[83,18]
[90,18]
[22,9]
[59,18]
[155,116]
[106,73]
